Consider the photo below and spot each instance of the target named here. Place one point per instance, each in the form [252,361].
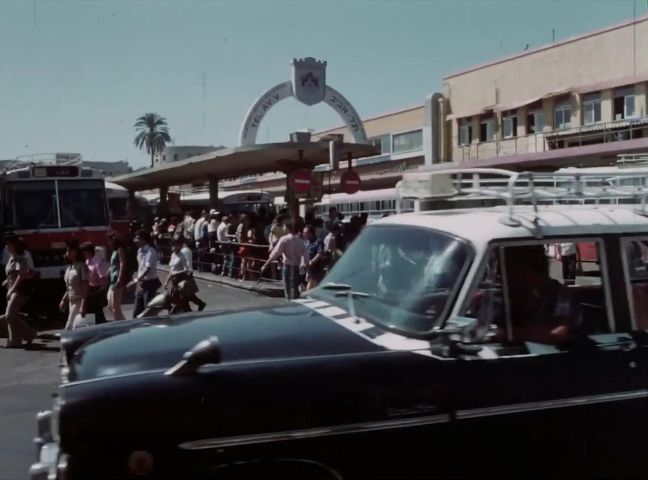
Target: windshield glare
[410,274]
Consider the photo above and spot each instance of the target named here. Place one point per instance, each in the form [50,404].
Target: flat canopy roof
[240,162]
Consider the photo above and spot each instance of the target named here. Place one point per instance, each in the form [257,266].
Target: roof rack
[627,158]
[516,188]
[41,159]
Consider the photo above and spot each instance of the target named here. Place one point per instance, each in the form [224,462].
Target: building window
[407,142]
[383,142]
[624,103]
[535,121]
[465,131]
[562,116]
[591,108]
[509,126]
[487,130]
[164,157]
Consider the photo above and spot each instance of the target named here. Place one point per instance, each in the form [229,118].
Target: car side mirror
[205,352]
[467,329]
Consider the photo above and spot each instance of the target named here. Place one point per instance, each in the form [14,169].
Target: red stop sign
[300,181]
[350,182]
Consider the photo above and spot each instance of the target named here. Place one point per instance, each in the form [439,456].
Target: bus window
[118,209]
[82,203]
[31,205]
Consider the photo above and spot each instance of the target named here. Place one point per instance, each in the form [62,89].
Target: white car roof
[480,226]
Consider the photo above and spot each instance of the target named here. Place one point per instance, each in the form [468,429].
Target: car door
[574,407]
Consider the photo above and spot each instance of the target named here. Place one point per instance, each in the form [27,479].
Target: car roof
[485,224]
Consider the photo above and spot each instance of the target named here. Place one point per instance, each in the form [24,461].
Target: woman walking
[17,271]
[117,275]
[76,283]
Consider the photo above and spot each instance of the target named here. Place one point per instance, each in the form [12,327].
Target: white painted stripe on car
[393,341]
[388,340]
[353,324]
[332,311]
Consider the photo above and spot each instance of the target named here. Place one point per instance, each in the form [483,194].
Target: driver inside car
[542,309]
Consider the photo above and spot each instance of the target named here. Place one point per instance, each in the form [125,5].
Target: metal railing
[618,130]
[236,260]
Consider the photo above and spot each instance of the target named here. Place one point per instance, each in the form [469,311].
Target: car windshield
[404,278]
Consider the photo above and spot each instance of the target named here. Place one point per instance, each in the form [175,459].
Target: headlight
[44,425]
[56,413]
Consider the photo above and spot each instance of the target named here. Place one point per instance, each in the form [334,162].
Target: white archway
[337,101]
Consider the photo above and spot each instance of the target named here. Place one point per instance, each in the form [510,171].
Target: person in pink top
[97,282]
[293,250]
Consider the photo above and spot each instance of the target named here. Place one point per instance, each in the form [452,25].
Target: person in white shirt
[212,228]
[178,264]
[199,230]
[146,278]
[188,254]
[293,251]
[225,247]
[6,256]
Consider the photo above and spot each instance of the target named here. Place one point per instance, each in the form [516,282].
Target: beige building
[578,101]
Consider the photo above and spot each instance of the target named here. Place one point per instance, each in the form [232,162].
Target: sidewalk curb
[267,290]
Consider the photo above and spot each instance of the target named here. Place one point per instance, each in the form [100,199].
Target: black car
[433,349]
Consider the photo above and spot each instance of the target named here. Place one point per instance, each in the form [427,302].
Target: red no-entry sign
[350,182]
[300,181]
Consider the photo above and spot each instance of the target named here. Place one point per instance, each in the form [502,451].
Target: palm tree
[152,133]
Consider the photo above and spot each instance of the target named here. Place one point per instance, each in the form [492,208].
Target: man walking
[146,279]
[224,243]
[186,251]
[293,250]
[198,229]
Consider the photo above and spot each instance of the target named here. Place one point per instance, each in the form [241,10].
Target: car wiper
[347,290]
[336,286]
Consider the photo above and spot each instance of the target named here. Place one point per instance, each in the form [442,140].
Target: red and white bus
[47,204]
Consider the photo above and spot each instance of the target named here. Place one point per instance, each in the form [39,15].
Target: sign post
[316,190]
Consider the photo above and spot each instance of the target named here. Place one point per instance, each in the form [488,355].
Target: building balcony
[598,133]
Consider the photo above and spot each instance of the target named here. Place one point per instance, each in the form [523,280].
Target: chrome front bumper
[50,464]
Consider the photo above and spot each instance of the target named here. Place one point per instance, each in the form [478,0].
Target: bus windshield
[79,203]
[82,203]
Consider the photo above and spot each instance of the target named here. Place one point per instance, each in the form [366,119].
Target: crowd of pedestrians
[252,246]
[245,246]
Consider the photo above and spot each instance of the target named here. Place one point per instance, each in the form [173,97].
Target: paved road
[28,378]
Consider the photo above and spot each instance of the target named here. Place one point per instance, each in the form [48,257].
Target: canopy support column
[163,207]
[132,204]
[213,193]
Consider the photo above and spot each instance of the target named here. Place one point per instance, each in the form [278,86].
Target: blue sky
[74,75]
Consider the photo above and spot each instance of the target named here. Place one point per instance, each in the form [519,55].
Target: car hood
[287,331]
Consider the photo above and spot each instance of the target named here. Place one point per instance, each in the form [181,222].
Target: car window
[546,293]
[636,262]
